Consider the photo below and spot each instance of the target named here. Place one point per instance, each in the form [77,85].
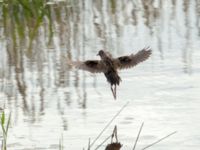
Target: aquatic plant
[61,146]
[117,145]
[22,18]
[5,126]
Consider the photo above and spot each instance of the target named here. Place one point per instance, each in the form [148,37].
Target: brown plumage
[109,65]
[114,146]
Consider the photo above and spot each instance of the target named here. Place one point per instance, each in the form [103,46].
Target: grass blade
[138,136]
[103,142]
[156,142]
[3,118]
[8,123]
[109,124]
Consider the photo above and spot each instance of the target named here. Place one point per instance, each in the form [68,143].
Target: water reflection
[34,72]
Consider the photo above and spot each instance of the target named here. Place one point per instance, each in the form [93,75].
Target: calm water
[50,100]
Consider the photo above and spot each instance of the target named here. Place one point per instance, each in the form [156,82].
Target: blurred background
[48,99]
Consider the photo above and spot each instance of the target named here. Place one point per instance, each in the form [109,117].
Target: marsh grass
[61,146]
[23,18]
[5,126]
[27,22]
[114,135]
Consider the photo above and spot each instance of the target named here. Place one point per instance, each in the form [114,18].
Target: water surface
[48,99]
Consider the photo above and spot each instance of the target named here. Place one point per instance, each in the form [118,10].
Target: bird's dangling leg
[113,92]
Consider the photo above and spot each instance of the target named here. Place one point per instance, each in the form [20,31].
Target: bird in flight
[110,66]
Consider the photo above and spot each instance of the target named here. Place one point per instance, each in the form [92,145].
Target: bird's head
[104,54]
[101,53]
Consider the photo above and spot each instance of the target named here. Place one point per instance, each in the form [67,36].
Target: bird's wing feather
[93,66]
[125,62]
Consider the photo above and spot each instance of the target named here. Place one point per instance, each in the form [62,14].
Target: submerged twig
[159,140]
[108,124]
[138,136]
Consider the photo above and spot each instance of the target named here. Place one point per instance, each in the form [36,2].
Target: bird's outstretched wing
[93,66]
[125,62]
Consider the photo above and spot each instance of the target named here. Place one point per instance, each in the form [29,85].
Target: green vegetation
[61,147]
[23,18]
[4,127]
